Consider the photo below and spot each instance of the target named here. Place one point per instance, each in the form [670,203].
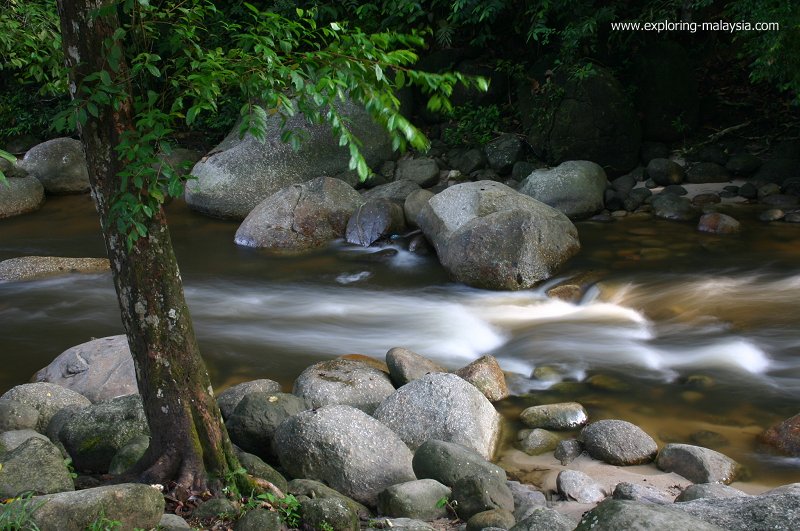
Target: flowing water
[691,336]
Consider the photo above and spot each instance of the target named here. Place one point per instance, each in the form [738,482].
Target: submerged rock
[39,267]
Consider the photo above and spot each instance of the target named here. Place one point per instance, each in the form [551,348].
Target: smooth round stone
[563,416]
[697,464]
[717,223]
[578,486]
[773,214]
[618,442]
[537,441]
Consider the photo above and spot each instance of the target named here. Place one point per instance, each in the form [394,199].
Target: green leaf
[153,70]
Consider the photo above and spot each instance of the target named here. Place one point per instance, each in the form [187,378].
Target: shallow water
[684,334]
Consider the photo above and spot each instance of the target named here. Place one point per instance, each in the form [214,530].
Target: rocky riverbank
[363,444]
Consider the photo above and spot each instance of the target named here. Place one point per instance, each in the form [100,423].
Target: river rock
[21,195]
[783,438]
[779,511]
[413,204]
[526,499]
[640,493]
[240,173]
[578,486]
[487,376]
[346,448]
[476,494]
[697,464]
[300,217]
[94,436]
[38,267]
[418,499]
[537,441]
[707,172]
[488,235]
[252,424]
[230,397]
[215,508]
[568,450]
[60,166]
[47,398]
[563,416]
[399,524]
[397,191]
[10,440]
[15,415]
[173,522]
[406,366]
[343,381]
[134,505]
[129,455]
[314,489]
[100,369]
[258,468]
[466,160]
[259,520]
[503,152]
[423,171]
[588,118]
[493,519]
[448,463]
[444,407]
[714,491]
[544,519]
[671,206]
[331,511]
[374,220]
[717,223]
[613,515]
[618,442]
[35,466]
[575,187]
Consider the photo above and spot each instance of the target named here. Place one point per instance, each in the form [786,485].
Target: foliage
[288,507]
[472,125]
[10,158]
[101,523]
[16,514]
[325,526]
[25,112]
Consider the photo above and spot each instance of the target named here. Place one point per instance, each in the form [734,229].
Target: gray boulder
[35,466]
[444,407]
[314,489]
[38,267]
[575,187]
[568,450]
[60,166]
[588,118]
[467,160]
[258,468]
[134,505]
[397,191]
[537,441]
[674,207]
[346,448]
[779,511]
[331,511]
[399,524]
[413,204]
[488,235]
[99,369]
[476,494]
[173,522]
[618,442]
[343,381]
[241,172]
[254,421]
[259,520]
[503,152]
[406,366]
[640,493]
[15,415]
[214,508]
[10,440]
[697,464]
[230,397]
[717,223]
[526,499]
[664,172]
[94,436]
[300,217]
[47,398]
[544,519]
[714,491]
[487,376]
[493,519]
[129,455]
[374,220]
[562,416]
[424,171]
[615,515]
[578,486]
[418,499]
[21,196]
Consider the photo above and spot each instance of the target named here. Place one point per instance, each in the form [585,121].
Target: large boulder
[37,466]
[241,172]
[488,235]
[418,499]
[575,187]
[133,505]
[95,435]
[583,117]
[697,464]
[772,510]
[444,407]
[374,220]
[345,448]
[253,423]
[60,166]
[613,515]
[314,489]
[343,381]
[15,415]
[39,267]
[99,369]
[300,217]
[20,196]
[423,171]
[230,397]
[47,398]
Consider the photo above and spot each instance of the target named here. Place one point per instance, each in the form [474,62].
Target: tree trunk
[188,442]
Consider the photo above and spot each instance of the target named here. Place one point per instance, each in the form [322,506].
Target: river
[694,337]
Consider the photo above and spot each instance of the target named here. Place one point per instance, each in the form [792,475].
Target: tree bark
[189,443]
